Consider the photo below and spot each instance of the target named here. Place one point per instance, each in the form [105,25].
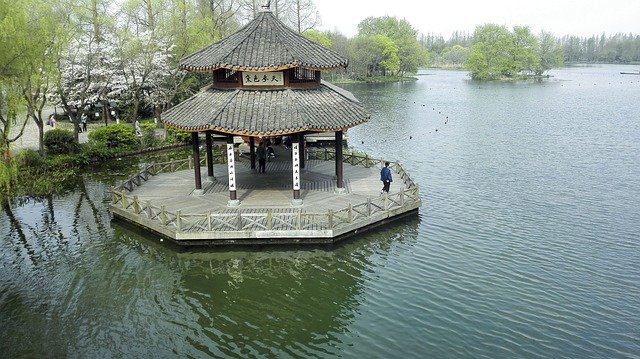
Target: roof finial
[267,6]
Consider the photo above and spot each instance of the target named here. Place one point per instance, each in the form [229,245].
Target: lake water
[527,245]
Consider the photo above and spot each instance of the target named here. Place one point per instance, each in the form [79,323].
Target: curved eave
[267,112]
[264,44]
[261,68]
[264,134]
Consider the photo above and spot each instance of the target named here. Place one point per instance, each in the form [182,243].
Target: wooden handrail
[266,219]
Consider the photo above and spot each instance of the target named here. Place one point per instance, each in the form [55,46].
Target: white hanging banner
[295,153]
[231,167]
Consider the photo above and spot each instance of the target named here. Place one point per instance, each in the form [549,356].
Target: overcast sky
[560,17]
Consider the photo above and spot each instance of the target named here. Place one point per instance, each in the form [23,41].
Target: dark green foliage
[120,136]
[59,141]
[98,151]
[149,134]
[44,176]
[177,136]
[30,159]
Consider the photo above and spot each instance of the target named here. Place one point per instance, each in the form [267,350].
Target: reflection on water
[93,287]
[526,245]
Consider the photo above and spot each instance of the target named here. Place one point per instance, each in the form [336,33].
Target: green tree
[15,42]
[525,51]
[405,37]
[491,53]
[40,60]
[318,37]
[455,55]
[551,55]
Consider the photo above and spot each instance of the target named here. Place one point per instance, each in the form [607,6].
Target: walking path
[29,138]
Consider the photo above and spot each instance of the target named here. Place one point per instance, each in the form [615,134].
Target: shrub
[59,141]
[177,136]
[98,151]
[29,159]
[120,137]
[148,134]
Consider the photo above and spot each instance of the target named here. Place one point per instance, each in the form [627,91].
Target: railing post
[163,215]
[299,220]
[114,198]
[402,196]
[190,162]
[269,219]
[171,165]
[350,213]
[239,216]
[386,201]
[368,206]
[209,220]
[330,214]
[149,212]
[123,201]
[136,205]
[178,221]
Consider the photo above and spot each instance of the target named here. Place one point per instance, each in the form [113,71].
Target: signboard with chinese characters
[263,78]
[295,154]
[231,167]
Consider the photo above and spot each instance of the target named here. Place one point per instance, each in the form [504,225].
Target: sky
[560,17]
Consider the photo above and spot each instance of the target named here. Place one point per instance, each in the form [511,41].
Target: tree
[306,15]
[86,66]
[491,53]
[17,47]
[525,51]
[455,55]
[497,53]
[318,37]
[550,55]
[411,54]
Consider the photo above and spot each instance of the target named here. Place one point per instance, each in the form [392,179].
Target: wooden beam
[339,169]
[196,159]
[209,154]
[252,152]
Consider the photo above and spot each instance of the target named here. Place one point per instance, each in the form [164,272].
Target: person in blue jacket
[385,177]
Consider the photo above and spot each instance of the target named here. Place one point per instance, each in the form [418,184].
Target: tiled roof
[267,112]
[264,44]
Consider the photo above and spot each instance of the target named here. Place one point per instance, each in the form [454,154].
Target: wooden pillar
[196,159]
[209,154]
[302,149]
[339,172]
[252,152]
[231,166]
[295,159]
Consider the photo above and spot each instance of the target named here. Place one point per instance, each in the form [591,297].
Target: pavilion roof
[253,112]
[264,44]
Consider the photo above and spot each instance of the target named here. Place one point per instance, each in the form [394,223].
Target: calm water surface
[527,245]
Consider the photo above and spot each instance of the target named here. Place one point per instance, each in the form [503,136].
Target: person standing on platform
[261,153]
[385,177]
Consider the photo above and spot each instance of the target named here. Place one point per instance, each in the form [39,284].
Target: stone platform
[162,199]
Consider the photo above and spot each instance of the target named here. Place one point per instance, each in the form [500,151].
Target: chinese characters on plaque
[295,153]
[232,167]
[263,78]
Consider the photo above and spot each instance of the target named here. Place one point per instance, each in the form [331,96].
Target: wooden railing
[265,219]
[153,169]
[360,159]
[293,219]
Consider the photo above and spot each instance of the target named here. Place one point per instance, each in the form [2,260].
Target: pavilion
[266,82]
